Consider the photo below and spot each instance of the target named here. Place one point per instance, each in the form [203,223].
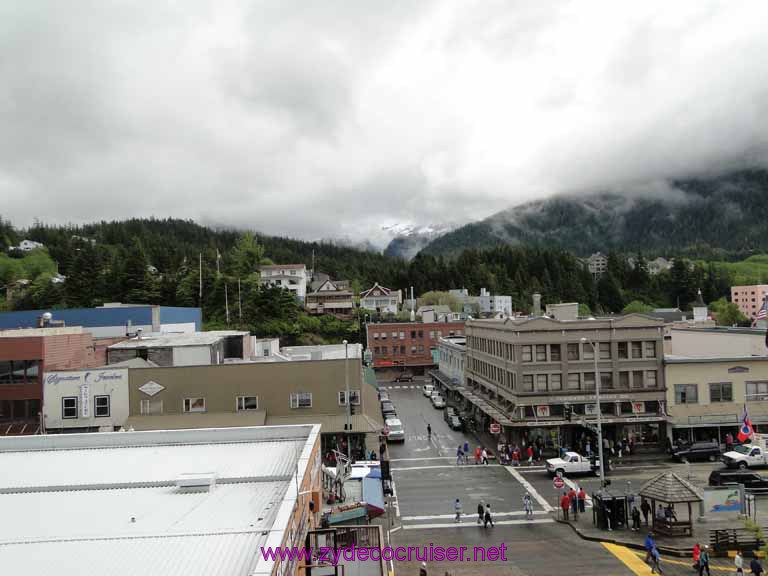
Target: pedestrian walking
[756,567]
[516,457]
[582,500]
[529,453]
[738,561]
[457,509]
[588,449]
[656,561]
[480,512]
[635,519]
[574,503]
[565,505]
[649,546]
[704,561]
[459,456]
[429,431]
[466,452]
[423,569]
[484,456]
[478,453]
[696,556]
[646,509]
[487,518]
[528,506]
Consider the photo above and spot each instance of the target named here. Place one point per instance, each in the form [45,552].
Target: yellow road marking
[628,558]
[689,563]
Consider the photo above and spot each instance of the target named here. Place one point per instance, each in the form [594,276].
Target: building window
[384,350]
[101,406]
[605,350]
[573,352]
[244,403]
[650,379]
[721,392]
[69,407]
[541,353]
[18,371]
[623,351]
[301,400]
[194,404]
[588,352]
[573,381]
[589,380]
[757,390]
[527,382]
[638,381]
[554,352]
[413,333]
[375,335]
[376,350]
[541,382]
[527,354]
[556,382]
[650,349]
[149,407]
[402,349]
[637,349]
[686,394]
[421,333]
[383,335]
[402,335]
[606,381]
[421,348]
[353,394]
[624,380]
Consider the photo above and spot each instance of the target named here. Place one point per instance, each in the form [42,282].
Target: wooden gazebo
[668,488]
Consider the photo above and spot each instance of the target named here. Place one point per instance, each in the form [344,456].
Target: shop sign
[638,407]
[542,411]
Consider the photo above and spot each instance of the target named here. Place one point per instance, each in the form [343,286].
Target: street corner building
[162,503]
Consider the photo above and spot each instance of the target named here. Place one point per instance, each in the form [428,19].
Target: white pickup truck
[572,463]
[753,455]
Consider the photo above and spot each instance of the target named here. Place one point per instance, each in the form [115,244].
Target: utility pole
[599,412]
[349,400]
[226,302]
[239,302]
[200,278]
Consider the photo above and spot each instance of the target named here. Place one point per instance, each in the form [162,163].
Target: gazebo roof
[670,488]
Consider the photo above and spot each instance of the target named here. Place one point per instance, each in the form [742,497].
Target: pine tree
[137,282]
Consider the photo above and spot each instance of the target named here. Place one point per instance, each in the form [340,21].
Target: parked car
[438,401]
[383,395]
[388,409]
[396,430]
[455,423]
[427,390]
[404,377]
[449,411]
[751,480]
[752,455]
[698,451]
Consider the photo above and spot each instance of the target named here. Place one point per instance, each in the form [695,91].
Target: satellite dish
[47,316]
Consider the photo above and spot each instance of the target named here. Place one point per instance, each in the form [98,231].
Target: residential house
[29,245]
[330,298]
[293,277]
[597,264]
[380,299]
[659,264]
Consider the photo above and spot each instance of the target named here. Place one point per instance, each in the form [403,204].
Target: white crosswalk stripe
[471,524]
[531,490]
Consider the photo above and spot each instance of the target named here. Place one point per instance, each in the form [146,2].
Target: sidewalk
[680,546]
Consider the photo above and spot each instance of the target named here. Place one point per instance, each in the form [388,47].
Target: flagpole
[200,278]
[239,301]
[226,302]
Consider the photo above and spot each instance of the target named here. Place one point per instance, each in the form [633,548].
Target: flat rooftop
[176,339]
[108,503]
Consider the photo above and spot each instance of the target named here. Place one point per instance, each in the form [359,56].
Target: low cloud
[341,118]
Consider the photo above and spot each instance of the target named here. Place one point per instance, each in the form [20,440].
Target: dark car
[698,451]
[387,409]
[455,423]
[404,377]
[751,480]
[449,411]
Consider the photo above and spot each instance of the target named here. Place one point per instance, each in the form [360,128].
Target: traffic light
[568,412]
[351,409]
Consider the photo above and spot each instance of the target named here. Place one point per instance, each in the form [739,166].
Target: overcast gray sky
[335,118]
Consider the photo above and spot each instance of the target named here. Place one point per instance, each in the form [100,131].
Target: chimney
[536,311]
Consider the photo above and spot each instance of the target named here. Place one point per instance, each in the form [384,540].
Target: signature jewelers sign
[85,384]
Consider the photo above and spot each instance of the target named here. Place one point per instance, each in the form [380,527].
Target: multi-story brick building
[25,355]
[749,299]
[408,344]
[528,374]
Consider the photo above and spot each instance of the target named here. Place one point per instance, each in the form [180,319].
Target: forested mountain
[158,261]
[722,217]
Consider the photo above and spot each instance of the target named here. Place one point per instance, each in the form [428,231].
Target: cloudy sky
[336,118]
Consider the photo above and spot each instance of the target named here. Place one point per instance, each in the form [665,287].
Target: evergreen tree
[137,281]
[609,293]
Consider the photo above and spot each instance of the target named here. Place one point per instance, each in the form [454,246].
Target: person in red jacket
[574,503]
[529,453]
[565,504]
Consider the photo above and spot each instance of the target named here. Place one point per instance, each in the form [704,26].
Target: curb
[668,550]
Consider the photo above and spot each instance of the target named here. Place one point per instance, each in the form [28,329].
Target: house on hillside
[292,277]
[380,299]
[331,298]
[28,245]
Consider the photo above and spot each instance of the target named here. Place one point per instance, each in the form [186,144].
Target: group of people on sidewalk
[573,501]
[701,562]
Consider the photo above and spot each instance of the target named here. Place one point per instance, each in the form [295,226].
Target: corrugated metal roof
[146,464]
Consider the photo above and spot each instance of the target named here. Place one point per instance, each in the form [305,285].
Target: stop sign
[495,428]
[558,482]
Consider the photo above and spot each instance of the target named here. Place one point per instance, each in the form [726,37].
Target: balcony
[340,538]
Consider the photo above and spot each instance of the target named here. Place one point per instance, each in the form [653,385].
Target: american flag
[762,314]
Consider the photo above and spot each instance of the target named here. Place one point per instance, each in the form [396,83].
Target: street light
[585,340]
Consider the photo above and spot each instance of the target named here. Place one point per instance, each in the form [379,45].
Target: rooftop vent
[196,482]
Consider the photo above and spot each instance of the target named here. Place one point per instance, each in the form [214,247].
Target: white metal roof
[107,503]
[175,339]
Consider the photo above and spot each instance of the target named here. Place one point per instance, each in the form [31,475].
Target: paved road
[427,482]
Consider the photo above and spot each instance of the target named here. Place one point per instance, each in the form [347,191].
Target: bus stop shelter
[669,489]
